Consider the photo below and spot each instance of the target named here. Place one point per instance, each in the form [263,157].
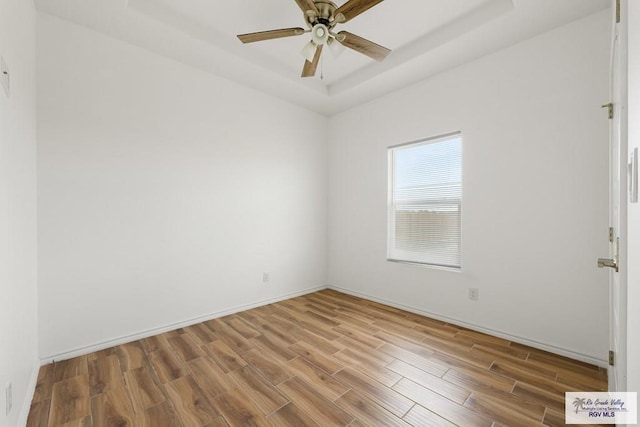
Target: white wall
[18,263]
[165,192]
[146,220]
[633,283]
[535,191]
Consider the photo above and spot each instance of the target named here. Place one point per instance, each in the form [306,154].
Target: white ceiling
[426,37]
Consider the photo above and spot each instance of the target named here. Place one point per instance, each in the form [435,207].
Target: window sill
[428,266]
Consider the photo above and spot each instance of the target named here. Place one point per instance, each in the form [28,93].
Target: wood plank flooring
[323,359]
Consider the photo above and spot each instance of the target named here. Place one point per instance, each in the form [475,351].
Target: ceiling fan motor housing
[325,15]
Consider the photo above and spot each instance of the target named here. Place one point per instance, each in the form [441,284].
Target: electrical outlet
[9,398]
[265,277]
[473,294]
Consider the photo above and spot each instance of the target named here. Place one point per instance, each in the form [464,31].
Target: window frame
[391,211]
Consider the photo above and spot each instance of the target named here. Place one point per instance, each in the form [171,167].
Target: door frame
[618,196]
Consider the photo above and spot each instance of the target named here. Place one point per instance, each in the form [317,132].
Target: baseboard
[520,340]
[155,331]
[31,389]
[81,351]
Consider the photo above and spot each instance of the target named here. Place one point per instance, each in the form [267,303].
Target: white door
[617,203]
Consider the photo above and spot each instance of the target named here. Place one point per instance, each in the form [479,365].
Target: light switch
[4,76]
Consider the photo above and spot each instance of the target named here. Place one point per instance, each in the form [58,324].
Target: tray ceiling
[426,37]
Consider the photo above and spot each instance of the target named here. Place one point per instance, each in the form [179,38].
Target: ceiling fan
[321,17]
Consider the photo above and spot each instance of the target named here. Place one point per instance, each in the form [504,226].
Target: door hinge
[612,358]
[611,233]
[618,13]
[609,107]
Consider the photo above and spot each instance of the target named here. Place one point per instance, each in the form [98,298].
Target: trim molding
[31,389]
[81,351]
[520,340]
[613,383]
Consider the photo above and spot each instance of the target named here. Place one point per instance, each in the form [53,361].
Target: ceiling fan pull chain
[321,68]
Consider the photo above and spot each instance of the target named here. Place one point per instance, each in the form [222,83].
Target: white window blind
[425,201]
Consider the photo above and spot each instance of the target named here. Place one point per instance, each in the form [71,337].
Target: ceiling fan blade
[271,34]
[363,46]
[353,8]
[307,5]
[309,69]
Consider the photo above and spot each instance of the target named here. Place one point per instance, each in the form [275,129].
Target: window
[425,200]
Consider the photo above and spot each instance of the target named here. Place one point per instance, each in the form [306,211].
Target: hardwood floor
[323,359]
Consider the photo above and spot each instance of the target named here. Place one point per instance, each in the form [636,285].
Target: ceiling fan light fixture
[335,47]
[309,50]
[320,34]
